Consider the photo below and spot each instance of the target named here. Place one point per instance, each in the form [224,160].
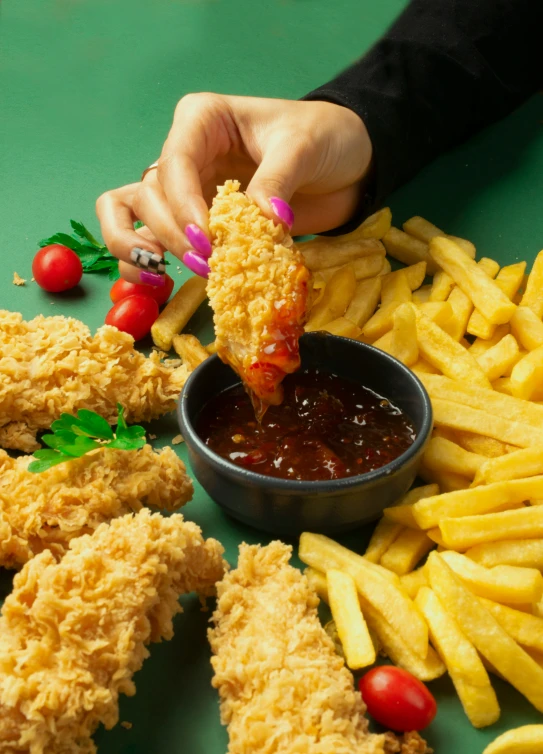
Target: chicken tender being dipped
[46,511]
[73,633]
[258,290]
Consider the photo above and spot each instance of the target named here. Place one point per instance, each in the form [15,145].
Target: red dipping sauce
[325,428]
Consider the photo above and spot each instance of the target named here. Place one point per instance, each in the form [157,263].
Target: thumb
[276,180]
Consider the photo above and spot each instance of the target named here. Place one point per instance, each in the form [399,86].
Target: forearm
[443,71]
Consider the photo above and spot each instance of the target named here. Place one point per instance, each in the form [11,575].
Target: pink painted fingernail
[198,240]
[196,263]
[282,210]
[151,278]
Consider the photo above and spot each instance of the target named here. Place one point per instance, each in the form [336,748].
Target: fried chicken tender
[52,364]
[47,510]
[283,688]
[73,633]
[257,288]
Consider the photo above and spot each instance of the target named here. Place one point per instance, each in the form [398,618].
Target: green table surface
[87,91]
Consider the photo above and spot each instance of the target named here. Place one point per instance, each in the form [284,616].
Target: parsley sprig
[93,254]
[73,437]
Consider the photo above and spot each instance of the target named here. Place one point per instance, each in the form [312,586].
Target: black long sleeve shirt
[444,70]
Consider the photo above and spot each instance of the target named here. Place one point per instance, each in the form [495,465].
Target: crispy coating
[283,688]
[257,288]
[407,743]
[73,633]
[47,510]
[52,364]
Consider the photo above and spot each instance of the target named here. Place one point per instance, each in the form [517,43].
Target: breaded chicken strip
[72,634]
[47,510]
[283,688]
[53,364]
[257,288]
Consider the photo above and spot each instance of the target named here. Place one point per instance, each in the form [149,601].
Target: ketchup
[326,427]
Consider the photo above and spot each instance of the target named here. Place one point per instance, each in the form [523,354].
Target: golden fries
[509,280]
[406,551]
[483,292]
[323,252]
[467,531]
[422,295]
[527,375]
[173,318]
[364,302]
[374,226]
[402,513]
[446,456]
[499,359]
[414,581]
[463,663]
[385,596]
[520,464]
[420,228]
[395,288]
[335,299]
[526,629]
[527,328]
[462,305]
[191,351]
[363,268]
[409,250]
[482,629]
[342,326]
[414,274]
[527,739]
[533,294]
[383,536]
[520,552]
[401,341]
[351,626]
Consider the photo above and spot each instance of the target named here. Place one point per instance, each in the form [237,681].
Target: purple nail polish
[150,278]
[282,210]
[198,240]
[196,263]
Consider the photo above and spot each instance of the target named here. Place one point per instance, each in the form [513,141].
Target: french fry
[447,480]
[211,348]
[395,288]
[401,341]
[442,286]
[431,511]
[483,292]
[463,533]
[518,465]
[323,252]
[189,348]
[533,294]
[406,551]
[440,312]
[500,358]
[444,353]
[380,323]
[342,326]
[383,536]
[502,583]
[528,739]
[527,375]
[335,300]
[385,596]
[402,513]
[527,553]
[173,318]
[363,268]
[509,280]
[425,231]
[386,268]
[464,665]
[414,581]
[503,385]
[481,345]
[443,455]
[351,626]
[365,300]
[409,250]
[344,555]
[525,629]
[527,328]
[484,446]
[399,650]
[414,275]
[462,305]
[422,295]
[435,536]
[376,225]
[422,367]
[485,633]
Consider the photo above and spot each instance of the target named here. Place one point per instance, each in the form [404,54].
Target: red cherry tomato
[161,293]
[134,315]
[396,699]
[56,268]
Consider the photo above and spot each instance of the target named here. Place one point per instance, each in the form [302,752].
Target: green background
[87,91]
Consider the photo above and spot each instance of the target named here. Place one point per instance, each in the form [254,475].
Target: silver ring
[147,170]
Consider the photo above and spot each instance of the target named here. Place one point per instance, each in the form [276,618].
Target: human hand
[302,162]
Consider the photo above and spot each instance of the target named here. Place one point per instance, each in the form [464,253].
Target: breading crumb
[126,724]
[18,280]
[152,437]
[178,439]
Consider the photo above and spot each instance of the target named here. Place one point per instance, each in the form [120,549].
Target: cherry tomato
[134,315]
[161,293]
[396,699]
[56,268]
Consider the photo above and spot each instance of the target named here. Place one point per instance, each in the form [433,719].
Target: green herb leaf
[84,232]
[88,257]
[74,436]
[61,238]
[114,273]
[104,263]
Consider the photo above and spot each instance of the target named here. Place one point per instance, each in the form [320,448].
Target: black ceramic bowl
[287,507]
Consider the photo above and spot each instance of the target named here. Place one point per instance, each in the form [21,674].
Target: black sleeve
[443,71]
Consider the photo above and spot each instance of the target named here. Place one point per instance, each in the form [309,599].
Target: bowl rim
[297,486]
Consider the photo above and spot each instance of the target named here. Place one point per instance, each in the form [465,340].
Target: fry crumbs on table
[18,280]
[126,724]
[178,439]
[152,437]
